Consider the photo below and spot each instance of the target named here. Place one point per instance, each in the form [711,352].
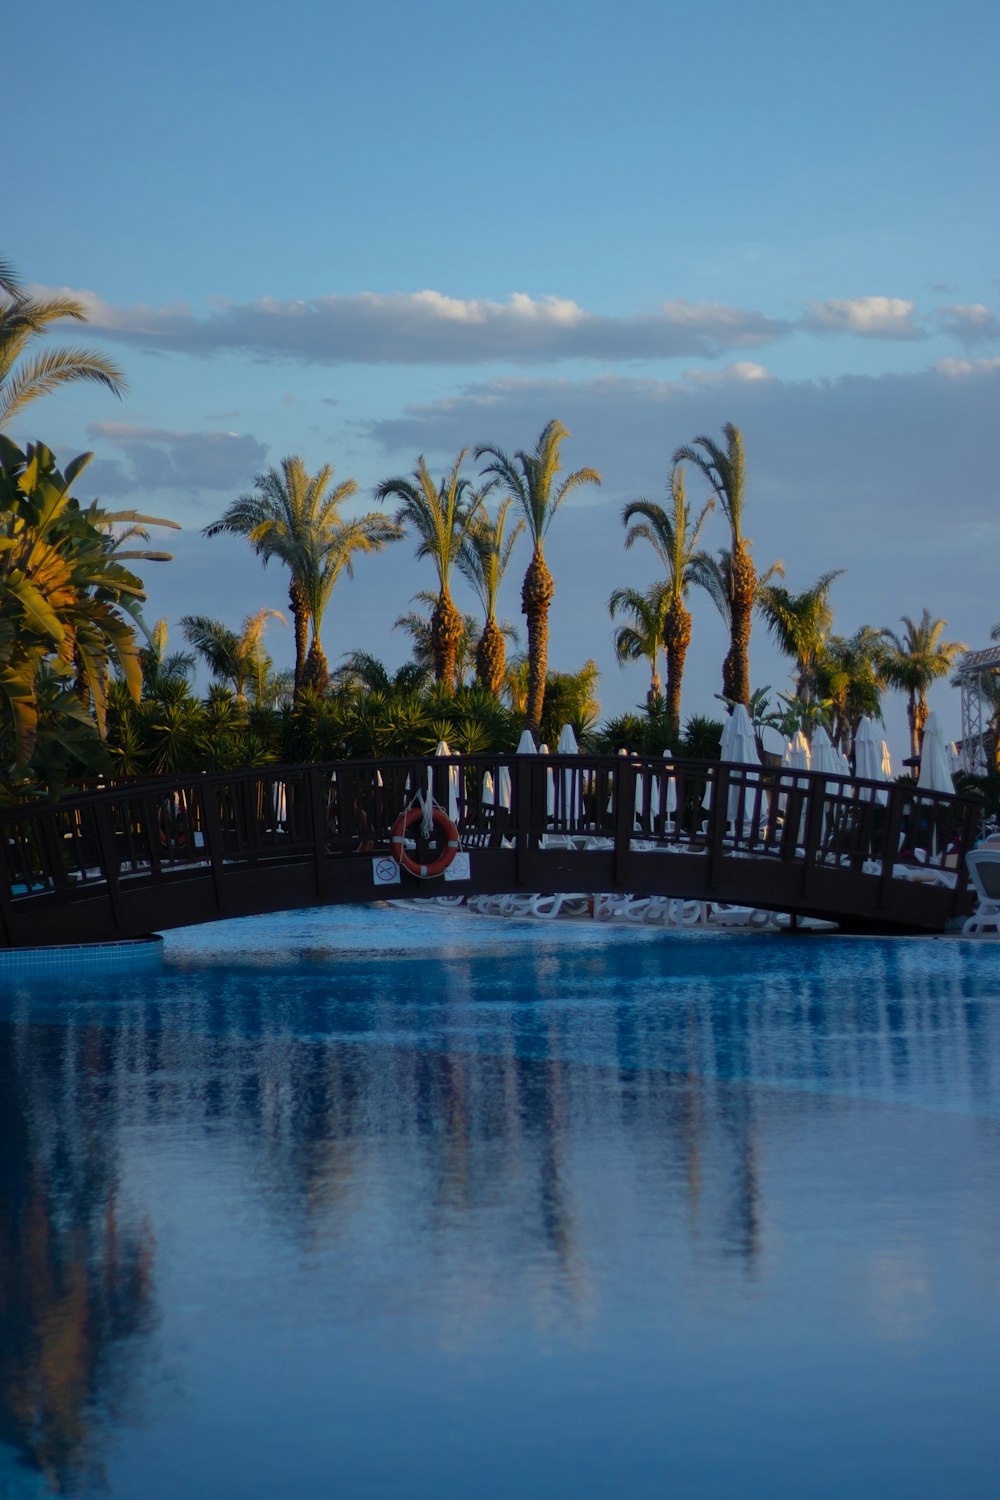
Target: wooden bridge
[142,857]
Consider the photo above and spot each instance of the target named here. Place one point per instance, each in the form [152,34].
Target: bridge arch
[151,855]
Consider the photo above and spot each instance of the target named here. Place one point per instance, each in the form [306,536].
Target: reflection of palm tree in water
[72,1285]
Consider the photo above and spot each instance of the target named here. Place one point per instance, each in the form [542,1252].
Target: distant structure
[976,667]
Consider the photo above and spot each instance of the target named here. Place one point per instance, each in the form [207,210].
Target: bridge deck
[149,856]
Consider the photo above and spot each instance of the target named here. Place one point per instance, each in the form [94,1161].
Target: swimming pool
[396,1203]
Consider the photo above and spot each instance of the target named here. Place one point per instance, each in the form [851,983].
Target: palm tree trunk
[300,624]
[654,694]
[676,639]
[316,673]
[917,715]
[744,589]
[536,596]
[446,632]
[491,658]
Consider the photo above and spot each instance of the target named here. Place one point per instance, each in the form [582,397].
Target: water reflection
[76,1275]
[544,1143]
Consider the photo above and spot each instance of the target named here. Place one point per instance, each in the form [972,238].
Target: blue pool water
[398,1203]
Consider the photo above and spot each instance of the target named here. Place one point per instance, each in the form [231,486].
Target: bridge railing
[164,828]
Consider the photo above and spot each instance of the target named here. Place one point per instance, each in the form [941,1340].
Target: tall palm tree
[674,539]
[289,515]
[236,657]
[530,480]
[328,557]
[799,625]
[483,559]
[643,638]
[714,574]
[441,516]
[23,320]
[724,468]
[915,659]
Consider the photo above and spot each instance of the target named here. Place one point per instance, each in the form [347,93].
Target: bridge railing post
[891,830]
[623,803]
[108,855]
[718,819]
[816,813]
[317,783]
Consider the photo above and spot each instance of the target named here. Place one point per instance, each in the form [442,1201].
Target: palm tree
[530,477]
[363,671]
[327,557]
[420,628]
[483,559]
[236,657]
[714,574]
[724,468]
[23,319]
[850,677]
[673,539]
[799,624]
[289,515]
[915,659]
[66,602]
[163,669]
[441,515]
[642,639]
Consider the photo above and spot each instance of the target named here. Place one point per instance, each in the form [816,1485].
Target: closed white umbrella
[739,746]
[572,798]
[886,759]
[525,746]
[670,800]
[739,743]
[868,761]
[934,773]
[550,788]
[824,757]
[488,798]
[801,757]
[796,758]
[442,750]
[640,795]
[954,758]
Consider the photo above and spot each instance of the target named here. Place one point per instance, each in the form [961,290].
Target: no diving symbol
[385,871]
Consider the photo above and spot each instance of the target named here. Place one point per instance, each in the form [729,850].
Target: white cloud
[742,370]
[866,317]
[428,327]
[970,323]
[957,368]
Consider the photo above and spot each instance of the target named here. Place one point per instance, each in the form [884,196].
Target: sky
[365,234]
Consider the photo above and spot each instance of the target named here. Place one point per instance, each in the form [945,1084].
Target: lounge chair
[983,865]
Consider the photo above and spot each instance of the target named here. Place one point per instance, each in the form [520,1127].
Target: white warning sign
[385,871]
[459,869]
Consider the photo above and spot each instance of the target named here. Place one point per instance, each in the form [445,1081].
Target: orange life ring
[397,842]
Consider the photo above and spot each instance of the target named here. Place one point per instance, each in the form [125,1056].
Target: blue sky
[363,235]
